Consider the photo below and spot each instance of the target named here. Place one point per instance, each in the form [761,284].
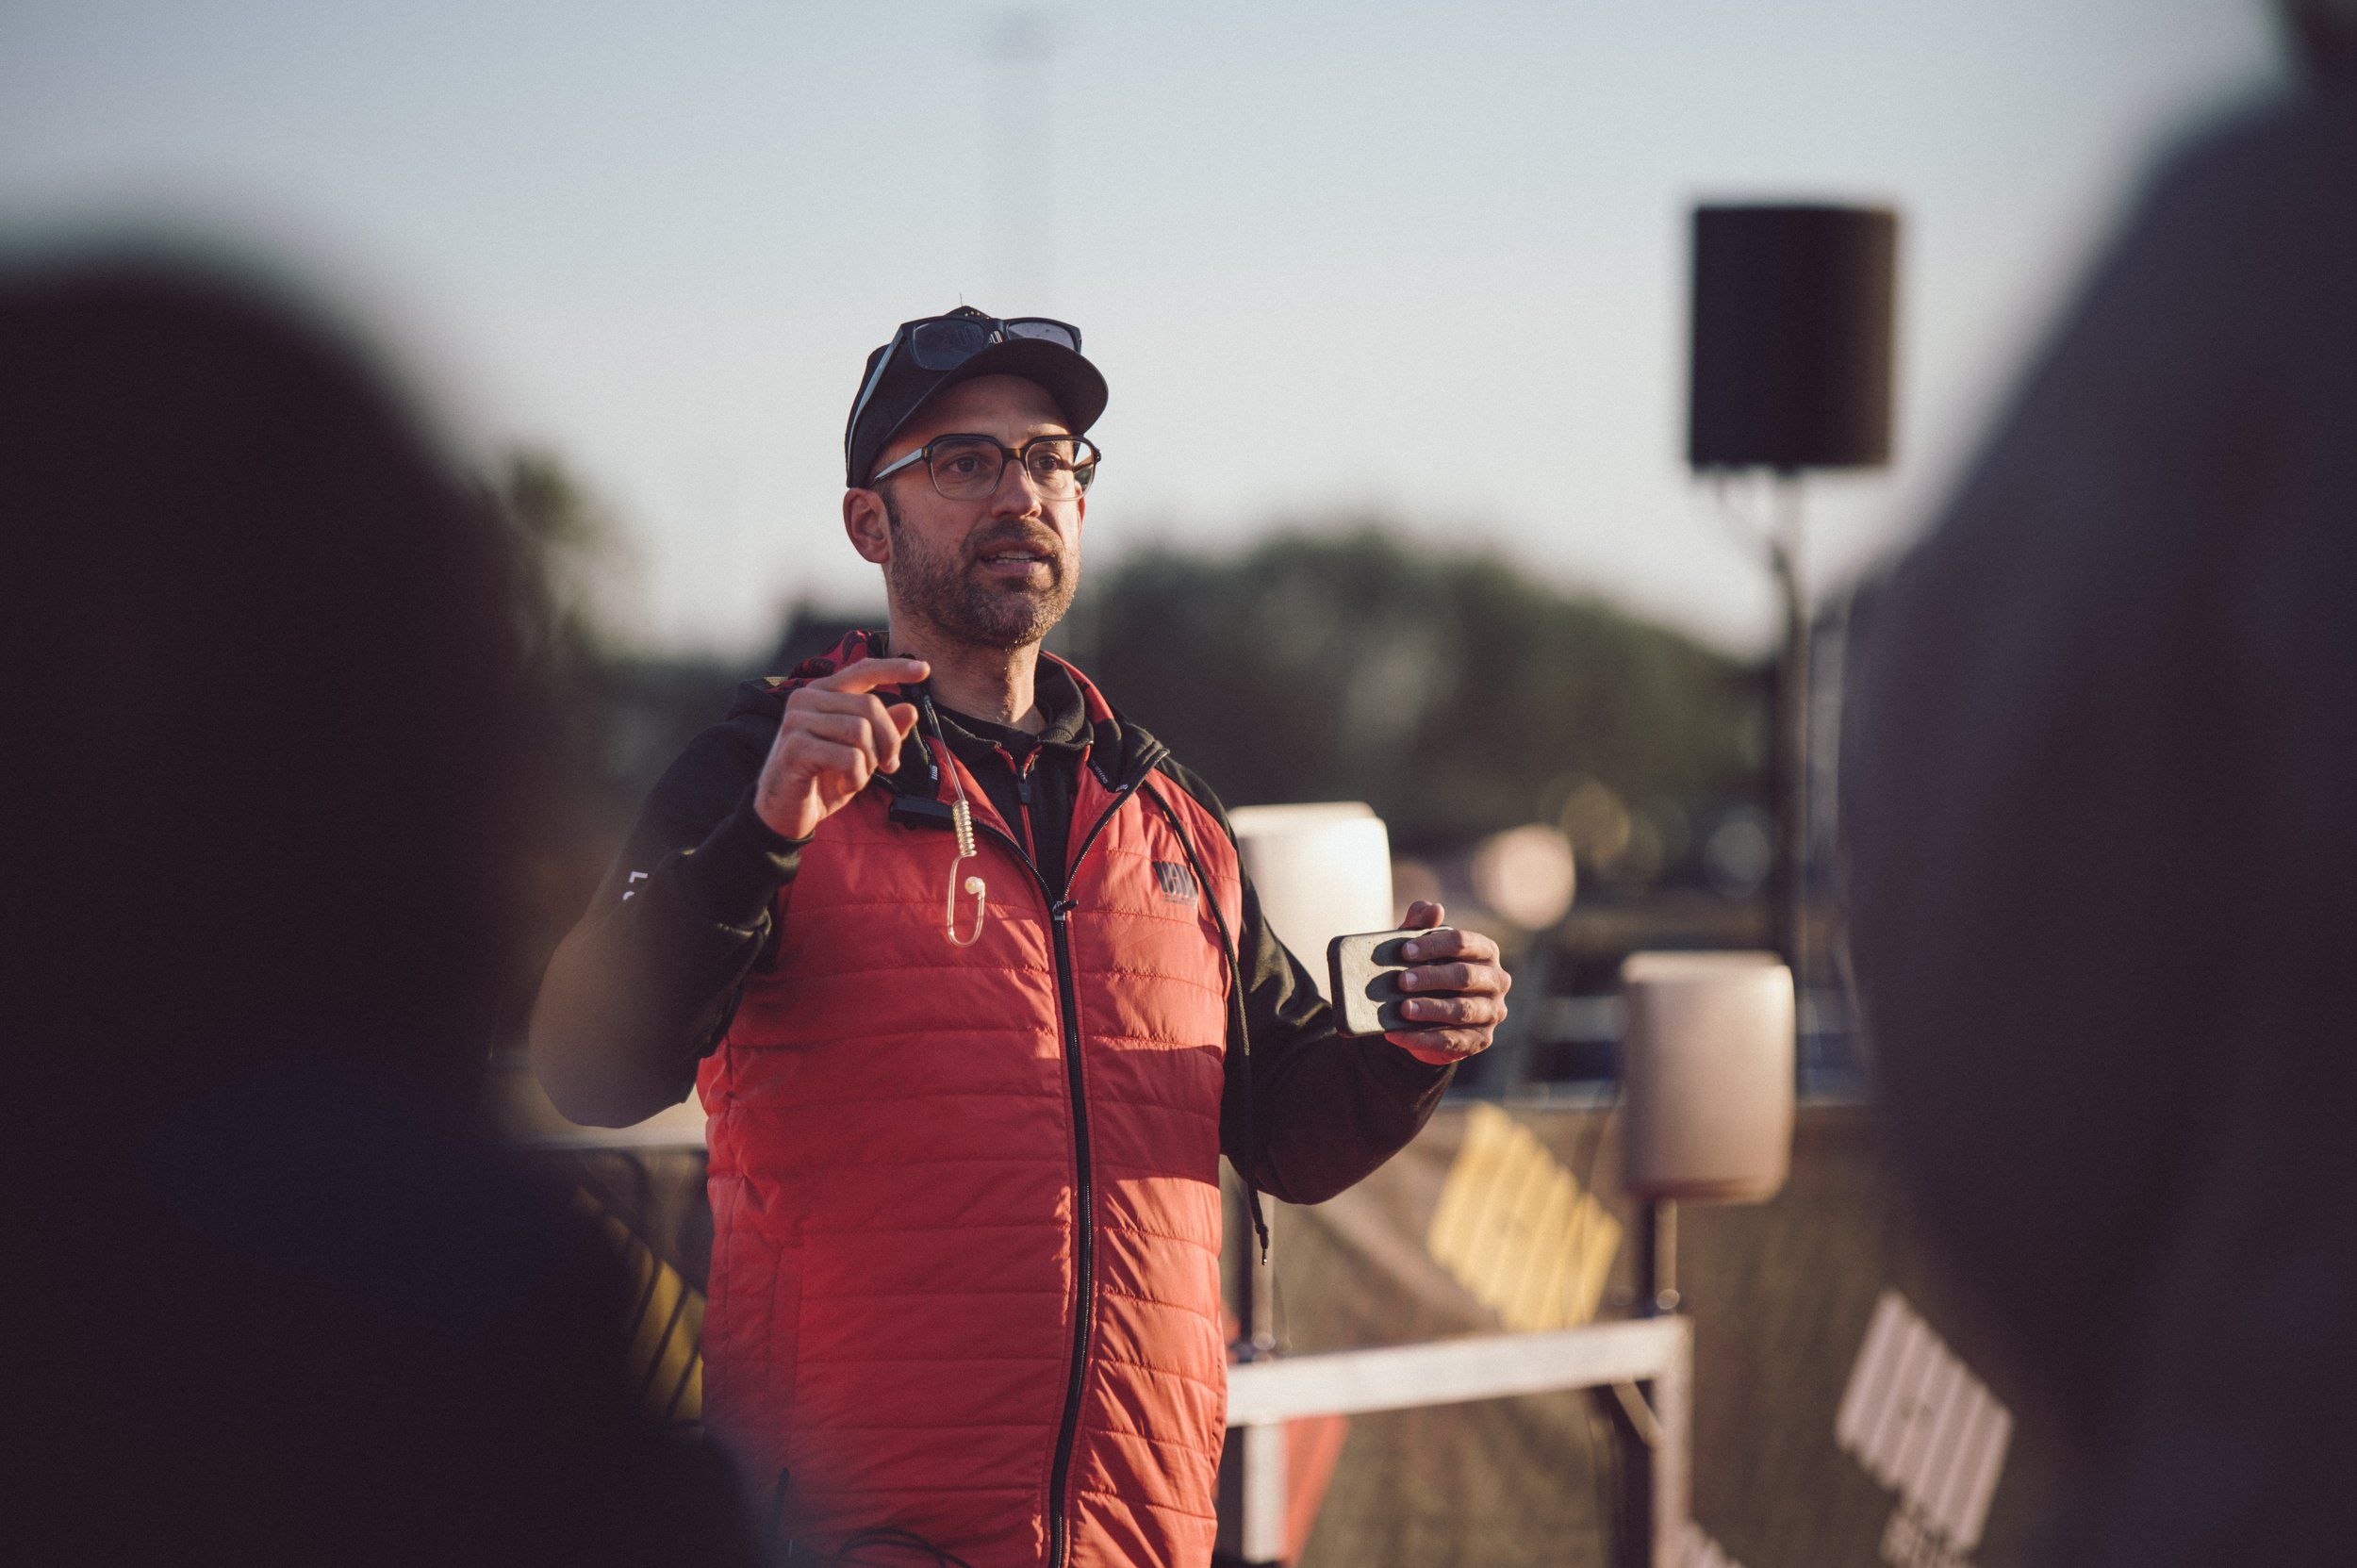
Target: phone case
[1363,973]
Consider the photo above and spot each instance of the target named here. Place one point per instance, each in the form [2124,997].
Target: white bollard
[1322,871]
[1706,1067]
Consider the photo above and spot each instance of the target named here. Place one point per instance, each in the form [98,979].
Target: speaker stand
[1789,766]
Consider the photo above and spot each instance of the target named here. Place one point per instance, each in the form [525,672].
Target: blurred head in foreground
[267,723]
[2322,34]
[267,700]
[2102,847]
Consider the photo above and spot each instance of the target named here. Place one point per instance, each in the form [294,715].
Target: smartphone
[1363,974]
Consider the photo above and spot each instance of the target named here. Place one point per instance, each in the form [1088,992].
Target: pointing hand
[836,734]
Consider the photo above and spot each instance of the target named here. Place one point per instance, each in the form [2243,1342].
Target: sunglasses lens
[1045,330]
[944,346]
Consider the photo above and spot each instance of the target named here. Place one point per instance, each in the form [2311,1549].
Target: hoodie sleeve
[1326,1108]
[644,985]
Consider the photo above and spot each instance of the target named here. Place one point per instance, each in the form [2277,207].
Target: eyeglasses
[968,468]
[945,342]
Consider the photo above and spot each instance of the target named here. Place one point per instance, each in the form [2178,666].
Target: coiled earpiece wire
[961,821]
[962,817]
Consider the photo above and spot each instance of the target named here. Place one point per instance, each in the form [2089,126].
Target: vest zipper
[1085,1239]
[1084,1243]
[1083,1316]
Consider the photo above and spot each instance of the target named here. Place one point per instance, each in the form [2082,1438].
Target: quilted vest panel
[919,1224]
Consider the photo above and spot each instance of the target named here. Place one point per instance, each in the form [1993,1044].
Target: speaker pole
[1657,1258]
[1788,768]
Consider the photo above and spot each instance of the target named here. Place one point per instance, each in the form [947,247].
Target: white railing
[1647,1362]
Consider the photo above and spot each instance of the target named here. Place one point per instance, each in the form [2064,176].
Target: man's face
[998,572]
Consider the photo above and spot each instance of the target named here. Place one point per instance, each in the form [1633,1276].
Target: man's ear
[865,524]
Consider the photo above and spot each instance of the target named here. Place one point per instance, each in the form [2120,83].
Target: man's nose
[1018,493]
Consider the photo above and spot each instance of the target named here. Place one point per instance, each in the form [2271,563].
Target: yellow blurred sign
[1516,1230]
[664,1359]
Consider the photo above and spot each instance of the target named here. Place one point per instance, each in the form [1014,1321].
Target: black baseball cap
[935,352]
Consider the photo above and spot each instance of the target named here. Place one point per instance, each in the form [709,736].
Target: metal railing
[1645,1363]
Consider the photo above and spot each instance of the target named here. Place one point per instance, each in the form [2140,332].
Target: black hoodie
[645,985]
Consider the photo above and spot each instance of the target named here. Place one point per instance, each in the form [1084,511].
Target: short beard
[942,591]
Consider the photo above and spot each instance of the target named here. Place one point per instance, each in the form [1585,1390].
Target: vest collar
[1118,753]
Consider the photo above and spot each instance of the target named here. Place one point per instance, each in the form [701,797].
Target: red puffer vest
[966,1199]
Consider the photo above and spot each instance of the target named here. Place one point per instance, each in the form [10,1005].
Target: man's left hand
[1457,984]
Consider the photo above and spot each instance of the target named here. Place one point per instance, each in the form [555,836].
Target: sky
[1425,261]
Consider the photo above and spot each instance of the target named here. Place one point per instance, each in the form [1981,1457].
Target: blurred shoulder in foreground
[270,738]
[2103,854]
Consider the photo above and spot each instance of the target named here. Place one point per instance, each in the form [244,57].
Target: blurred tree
[612,717]
[624,714]
[1451,693]
[569,541]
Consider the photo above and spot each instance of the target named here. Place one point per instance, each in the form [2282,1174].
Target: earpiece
[962,817]
[961,821]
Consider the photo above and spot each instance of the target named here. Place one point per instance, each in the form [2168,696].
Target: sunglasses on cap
[945,342]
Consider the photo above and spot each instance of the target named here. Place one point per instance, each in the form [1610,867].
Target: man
[986,995]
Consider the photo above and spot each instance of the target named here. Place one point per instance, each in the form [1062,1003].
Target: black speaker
[1792,337]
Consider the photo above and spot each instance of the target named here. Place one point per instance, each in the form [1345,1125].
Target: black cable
[894,1537]
[1606,1115]
[769,1534]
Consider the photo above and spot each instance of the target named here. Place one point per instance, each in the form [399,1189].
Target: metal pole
[1652,1416]
[1252,1465]
[1022,265]
[1671,1497]
[1657,1258]
[1788,765]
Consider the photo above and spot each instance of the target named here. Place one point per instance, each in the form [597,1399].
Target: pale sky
[1427,259]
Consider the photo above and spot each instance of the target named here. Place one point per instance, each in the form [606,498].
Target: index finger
[1449,942]
[868,674]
